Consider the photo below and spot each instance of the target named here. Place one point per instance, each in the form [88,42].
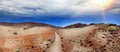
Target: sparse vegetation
[15,33]
[112,28]
[17,50]
[25,28]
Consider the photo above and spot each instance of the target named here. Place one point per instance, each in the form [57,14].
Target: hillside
[39,37]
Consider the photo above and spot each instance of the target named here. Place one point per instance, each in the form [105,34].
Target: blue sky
[60,13]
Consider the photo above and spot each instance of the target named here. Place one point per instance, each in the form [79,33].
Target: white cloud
[41,7]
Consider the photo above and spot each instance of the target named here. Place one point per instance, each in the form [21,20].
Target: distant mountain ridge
[77,25]
[33,24]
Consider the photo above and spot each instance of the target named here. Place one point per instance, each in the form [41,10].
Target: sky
[60,12]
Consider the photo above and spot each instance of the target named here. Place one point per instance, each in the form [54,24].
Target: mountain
[77,25]
[30,24]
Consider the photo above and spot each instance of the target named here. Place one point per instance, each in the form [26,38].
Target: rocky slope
[34,37]
[77,25]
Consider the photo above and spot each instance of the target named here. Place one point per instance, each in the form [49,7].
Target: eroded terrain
[30,37]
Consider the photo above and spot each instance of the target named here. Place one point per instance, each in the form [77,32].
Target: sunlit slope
[35,39]
[91,38]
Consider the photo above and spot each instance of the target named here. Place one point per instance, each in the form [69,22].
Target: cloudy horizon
[60,12]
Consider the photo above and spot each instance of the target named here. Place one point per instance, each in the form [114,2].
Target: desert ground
[34,37]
